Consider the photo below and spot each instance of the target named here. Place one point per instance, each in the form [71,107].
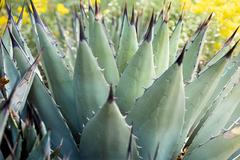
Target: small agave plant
[117,90]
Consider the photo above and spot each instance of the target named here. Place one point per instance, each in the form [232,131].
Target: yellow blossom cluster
[226,12]
[42,6]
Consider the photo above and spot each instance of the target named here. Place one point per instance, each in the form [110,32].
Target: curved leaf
[111,140]
[138,75]
[158,116]
[102,50]
[128,45]
[91,89]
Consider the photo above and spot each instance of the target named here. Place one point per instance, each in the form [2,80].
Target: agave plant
[118,90]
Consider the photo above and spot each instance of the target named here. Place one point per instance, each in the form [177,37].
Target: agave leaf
[220,146]
[150,115]
[91,19]
[20,93]
[70,51]
[41,150]
[18,97]
[4,112]
[60,82]
[47,109]
[193,52]
[6,40]
[19,148]
[9,70]
[138,75]
[21,41]
[200,91]
[88,80]
[128,44]
[158,23]
[34,29]
[111,140]
[235,155]
[20,17]
[30,137]
[234,116]
[223,50]
[220,112]
[102,50]
[161,49]
[14,129]
[174,40]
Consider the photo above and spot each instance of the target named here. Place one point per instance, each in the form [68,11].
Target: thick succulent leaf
[20,17]
[91,19]
[14,129]
[128,45]
[4,112]
[88,80]
[70,51]
[225,48]
[193,52]
[112,138]
[42,150]
[161,49]
[19,148]
[48,109]
[235,155]
[174,40]
[21,41]
[9,70]
[200,91]
[18,97]
[30,137]
[234,116]
[158,115]
[159,22]
[60,82]
[103,51]
[139,74]
[220,112]
[218,147]
[7,42]
[34,29]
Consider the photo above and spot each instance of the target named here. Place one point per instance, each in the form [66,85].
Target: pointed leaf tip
[82,35]
[130,143]
[35,14]
[125,12]
[229,40]
[181,56]
[9,11]
[148,35]
[14,41]
[229,53]
[111,96]
[90,8]
[97,10]
[133,16]
[21,13]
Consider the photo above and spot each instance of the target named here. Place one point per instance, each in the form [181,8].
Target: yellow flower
[3,21]
[226,13]
[62,9]
[41,5]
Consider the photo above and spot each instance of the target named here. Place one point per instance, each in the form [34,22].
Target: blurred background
[226,15]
